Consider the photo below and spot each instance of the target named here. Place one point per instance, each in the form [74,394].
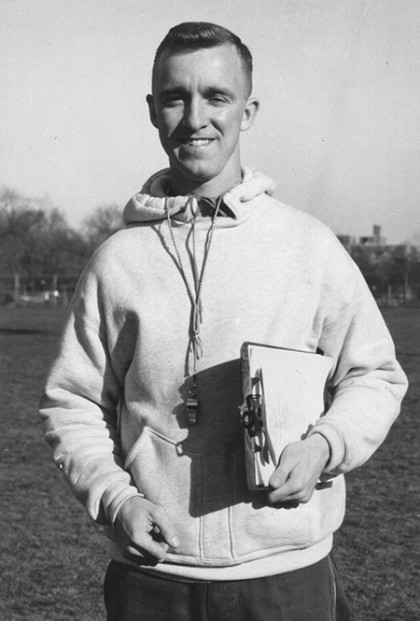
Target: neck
[211,188]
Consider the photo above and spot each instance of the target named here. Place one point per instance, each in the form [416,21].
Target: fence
[57,291]
[397,295]
[36,290]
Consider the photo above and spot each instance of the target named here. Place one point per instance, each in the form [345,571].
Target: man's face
[199,105]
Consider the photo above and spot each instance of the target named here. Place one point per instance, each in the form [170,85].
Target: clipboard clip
[253,414]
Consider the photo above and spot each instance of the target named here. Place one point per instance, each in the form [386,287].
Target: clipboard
[284,394]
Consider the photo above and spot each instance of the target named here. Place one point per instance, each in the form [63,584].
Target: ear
[152,109]
[250,113]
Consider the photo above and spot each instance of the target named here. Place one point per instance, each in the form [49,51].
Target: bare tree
[104,222]
[36,241]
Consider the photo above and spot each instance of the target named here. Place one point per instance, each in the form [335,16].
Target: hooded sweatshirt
[114,404]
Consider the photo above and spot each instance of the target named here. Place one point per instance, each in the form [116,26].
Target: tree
[414,241]
[60,251]
[35,241]
[18,219]
[104,222]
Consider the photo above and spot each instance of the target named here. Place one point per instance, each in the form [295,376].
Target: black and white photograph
[210,310]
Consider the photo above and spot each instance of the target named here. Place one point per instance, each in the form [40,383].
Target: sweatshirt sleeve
[79,410]
[368,384]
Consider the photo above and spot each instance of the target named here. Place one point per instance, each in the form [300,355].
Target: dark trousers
[310,594]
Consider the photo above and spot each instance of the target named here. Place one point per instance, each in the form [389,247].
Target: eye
[172,99]
[217,99]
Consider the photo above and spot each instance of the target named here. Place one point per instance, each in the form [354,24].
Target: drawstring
[195,342]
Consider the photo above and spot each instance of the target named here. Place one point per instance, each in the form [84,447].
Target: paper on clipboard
[284,395]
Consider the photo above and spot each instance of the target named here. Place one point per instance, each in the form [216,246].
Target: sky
[338,80]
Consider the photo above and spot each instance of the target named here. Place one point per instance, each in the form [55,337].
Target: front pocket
[258,527]
[170,475]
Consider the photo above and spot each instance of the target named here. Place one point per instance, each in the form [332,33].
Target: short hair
[191,36]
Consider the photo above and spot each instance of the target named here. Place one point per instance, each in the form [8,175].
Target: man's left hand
[297,474]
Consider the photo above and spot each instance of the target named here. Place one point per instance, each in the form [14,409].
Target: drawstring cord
[195,342]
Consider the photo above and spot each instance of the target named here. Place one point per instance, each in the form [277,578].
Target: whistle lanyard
[195,342]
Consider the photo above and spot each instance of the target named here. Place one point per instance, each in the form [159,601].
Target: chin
[196,174]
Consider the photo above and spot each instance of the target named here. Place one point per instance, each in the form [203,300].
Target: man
[141,403]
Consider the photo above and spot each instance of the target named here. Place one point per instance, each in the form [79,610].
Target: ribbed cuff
[113,499]
[335,441]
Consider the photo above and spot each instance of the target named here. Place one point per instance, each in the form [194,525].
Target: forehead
[218,66]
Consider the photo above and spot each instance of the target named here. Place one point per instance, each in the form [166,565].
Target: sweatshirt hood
[151,203]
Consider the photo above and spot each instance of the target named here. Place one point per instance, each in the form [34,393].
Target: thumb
[279,477]
[165,530]
[283,471]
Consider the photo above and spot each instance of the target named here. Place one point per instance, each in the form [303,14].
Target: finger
[292,491]
[286,468]
[163,531]
[142,557]
[275,497]
[155,549]
[282,494]
[293,488]
[279,477]
[147,550]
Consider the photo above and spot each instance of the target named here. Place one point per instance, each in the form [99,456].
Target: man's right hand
[143,531]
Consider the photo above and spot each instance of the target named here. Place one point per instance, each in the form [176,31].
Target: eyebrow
[170,91]
[217,90]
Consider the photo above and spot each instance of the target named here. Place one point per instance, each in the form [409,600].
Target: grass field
[53,558]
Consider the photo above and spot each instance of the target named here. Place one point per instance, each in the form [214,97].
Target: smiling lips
[196,142]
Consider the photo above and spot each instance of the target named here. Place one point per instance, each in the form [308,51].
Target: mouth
[196,142]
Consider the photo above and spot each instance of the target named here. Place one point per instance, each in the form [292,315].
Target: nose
[195,116]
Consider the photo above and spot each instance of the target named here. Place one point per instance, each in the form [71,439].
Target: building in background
[392,271]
